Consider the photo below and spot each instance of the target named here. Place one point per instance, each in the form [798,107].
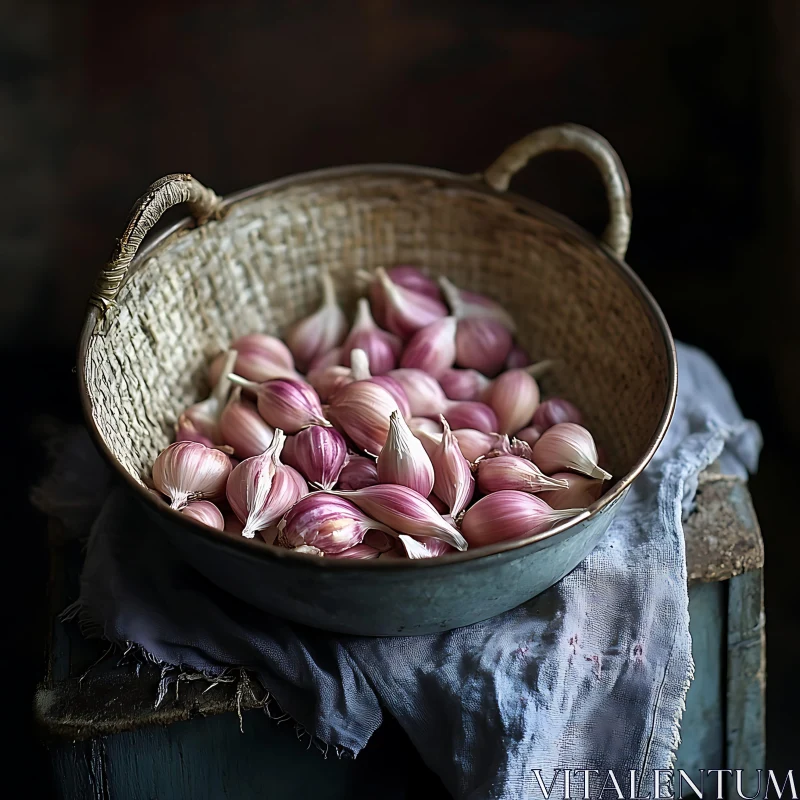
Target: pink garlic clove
[518,358]
[529,435]
[262,489]
[186,431]
[453,482]
[432,349]
[242,427]
[200,422]
[580,491]
[568,446]
[424,425]
[395,389]
[463,384]
[318,454]
[187,471]
[403,459]
[408,277]
[424,548]
[552,412]
[260,358]
[358,552]
[205,513]
[326,381]
[333,358]
[401,310]
[512,472]
[470,305]
[482,344]
[331,524]
[357,473]
[290,405]
[424,394]
[405,511]
[320,332]
[382,348]
[476,416]
[361,410]
[514,397]
[509,515]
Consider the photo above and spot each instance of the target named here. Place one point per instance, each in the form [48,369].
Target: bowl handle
[575,137]
[161,196]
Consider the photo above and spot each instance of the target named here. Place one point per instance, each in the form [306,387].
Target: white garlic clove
[187,471]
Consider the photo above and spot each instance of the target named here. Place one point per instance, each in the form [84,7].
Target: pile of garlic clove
[416,432]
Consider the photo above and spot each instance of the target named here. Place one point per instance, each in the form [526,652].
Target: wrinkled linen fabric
[591,674]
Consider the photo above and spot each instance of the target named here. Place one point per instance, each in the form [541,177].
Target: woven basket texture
[257,270]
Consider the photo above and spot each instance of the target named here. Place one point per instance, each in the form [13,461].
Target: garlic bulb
[424,548]
[242,427]
[568,446]
[318,454]
[187,471]
[262,489]
[477,416]
[362,410]
[579,493]
[552,412]
[200,422]
[320,332]
[432,349]
[423,392]
[290,405]
[401,310]
[453,482]
[508,515]
[470,305]
[403,459]
[405,511]
[205,513]
[463,384]
[329,523]
[512,472]
[382,348]
[357,473]
[260,357]
[513,396]
[482,344]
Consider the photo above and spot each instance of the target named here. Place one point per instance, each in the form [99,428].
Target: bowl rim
[257,547]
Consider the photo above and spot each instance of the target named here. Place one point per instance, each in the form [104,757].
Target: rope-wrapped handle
[584,140]
[160,197]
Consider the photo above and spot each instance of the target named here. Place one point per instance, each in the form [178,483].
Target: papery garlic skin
[401,310]
[187,471]
[470,414]
[463,384]
[260,357]
[426,548]
[424,394]
[512,472]
[432,349]
[453,482]
[290,405]
[405,511]
[205,513]
[510,515]
[262,489]
[403,459]
[320,332]
[330,523]
[362,410]
[518,358]
[514,397]
[358,472]
[568,446]
[482,344]
[580,492]
[382,348]
[242,427]
[318,454]
[554,411]
[529,435]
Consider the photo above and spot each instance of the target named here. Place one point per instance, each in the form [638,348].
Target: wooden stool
[108,739]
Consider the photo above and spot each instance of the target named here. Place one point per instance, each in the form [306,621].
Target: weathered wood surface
[111,698]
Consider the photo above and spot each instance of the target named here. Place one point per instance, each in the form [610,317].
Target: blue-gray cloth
[592,674]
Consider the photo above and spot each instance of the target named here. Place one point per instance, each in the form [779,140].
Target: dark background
[701,99]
